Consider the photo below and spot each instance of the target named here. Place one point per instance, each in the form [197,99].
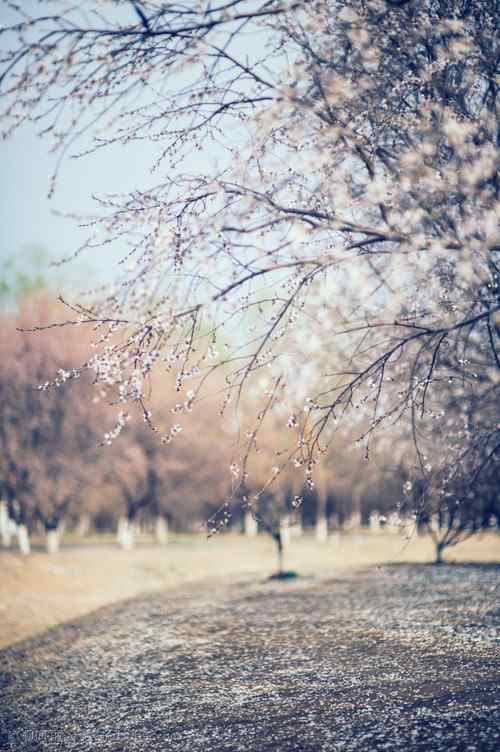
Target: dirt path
[395,658]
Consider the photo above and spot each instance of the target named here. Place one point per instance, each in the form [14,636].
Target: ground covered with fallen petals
[388,658]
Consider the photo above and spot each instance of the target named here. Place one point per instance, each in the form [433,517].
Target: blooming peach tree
[321,227]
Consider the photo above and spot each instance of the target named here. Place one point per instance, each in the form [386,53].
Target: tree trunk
[126,533]
[434,523]
[5,525]
[279,544]
[322,529]
[83,526]
[250,525]
[321,518]
[374,522]
[296,529]
[393,523]
[23,539]
[439,552]
[53,539]
[356,520]
[285,530]
[353,521]
[161,530]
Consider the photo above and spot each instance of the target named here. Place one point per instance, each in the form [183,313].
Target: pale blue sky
[27,216]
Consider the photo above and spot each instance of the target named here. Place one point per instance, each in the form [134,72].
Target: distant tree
[136,477]
[462,510]
[448,452]
[48,437]
[265,483]
[180,482]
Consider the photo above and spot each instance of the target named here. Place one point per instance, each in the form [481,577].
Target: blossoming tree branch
[320,236]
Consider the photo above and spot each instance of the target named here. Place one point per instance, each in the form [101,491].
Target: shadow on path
[392,658]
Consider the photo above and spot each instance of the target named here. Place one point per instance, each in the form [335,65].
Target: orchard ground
[40,591]
[394,658]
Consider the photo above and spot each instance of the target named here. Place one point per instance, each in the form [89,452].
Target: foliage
[19,281]
[48,439]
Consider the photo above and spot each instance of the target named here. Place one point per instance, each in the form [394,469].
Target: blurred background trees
[48,437]
[60,470]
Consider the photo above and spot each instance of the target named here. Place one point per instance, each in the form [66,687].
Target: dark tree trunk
[440,546]
[279,544]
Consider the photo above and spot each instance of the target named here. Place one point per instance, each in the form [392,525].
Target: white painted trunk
[322,529]
[5,525]
[161,530]
[335,521]
[23,540]
[374,522]
[296,529]
[52,542]
[119,529]
[408,525]
[83,527]
[353,522]
[434,523]
[393,522]
[126,533]
[250,525]
[285,529]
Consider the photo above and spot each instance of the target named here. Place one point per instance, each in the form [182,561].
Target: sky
[29,220]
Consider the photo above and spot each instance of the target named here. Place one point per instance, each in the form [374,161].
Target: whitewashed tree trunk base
[434,523]
[393,522]
[374,522]
[250,525]
[53,540]
[322,530]
[161,530]
[5,525]
[23,540]
[335,521]
[285,529]
[353,522]
[126,533]
[83,526]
